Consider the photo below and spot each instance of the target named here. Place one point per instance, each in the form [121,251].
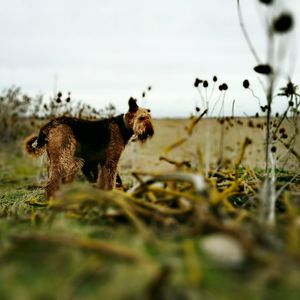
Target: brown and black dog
[94,147]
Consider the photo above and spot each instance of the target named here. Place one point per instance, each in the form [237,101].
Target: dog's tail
[40,142]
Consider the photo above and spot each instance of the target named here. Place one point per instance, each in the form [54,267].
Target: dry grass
[146,157]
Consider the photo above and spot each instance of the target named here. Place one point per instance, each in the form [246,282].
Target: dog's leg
[55,178]
[63,165]
[73,169]
[108,168]
[107,176]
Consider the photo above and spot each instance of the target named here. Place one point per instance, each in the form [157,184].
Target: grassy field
[162,241]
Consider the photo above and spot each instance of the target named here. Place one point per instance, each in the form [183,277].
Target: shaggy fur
[94,147]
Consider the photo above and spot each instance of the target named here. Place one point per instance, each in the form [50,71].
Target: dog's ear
[133,107]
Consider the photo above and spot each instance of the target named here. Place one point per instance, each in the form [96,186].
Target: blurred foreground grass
[164,240]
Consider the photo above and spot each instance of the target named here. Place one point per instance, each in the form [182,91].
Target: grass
[153,243]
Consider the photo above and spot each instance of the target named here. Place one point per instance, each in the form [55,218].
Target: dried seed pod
[281,130]
[197,82]
[263,69]
[273,149]
[266,2]
[246,84]
[283,23]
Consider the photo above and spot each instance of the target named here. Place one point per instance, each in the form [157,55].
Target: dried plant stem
[269,198]
[271,192]
[222,134]
[279,192]
[207,147]
[245,33]
[268,126]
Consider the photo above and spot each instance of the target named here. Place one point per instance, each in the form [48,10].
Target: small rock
[223,249]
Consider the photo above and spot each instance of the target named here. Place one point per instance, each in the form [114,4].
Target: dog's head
[139,120]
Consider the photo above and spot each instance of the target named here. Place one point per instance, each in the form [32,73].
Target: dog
[94,147]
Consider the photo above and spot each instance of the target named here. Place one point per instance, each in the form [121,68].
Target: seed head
[283,23]
[248,141]
[266,2]
[273,149]
[197,82]
[246,84]
[225,86]
[263,69]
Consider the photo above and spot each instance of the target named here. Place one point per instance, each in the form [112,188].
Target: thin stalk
[268,129]
[245,33]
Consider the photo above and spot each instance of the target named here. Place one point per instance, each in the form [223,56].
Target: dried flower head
[273,149]
[283,23]
[197,82]
[288,90]
[266,2]
[263,69]
[246,83]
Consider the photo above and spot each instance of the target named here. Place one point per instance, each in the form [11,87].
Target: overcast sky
[108,50]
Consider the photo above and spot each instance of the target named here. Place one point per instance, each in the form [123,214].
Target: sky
[105,51]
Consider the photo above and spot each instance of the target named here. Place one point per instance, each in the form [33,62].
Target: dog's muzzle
[148,133]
